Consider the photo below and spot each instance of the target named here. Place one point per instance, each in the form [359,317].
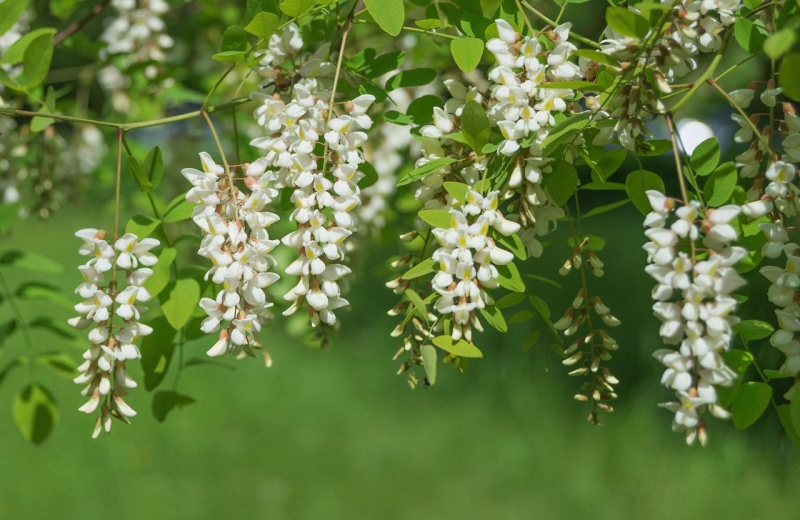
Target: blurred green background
[335,434]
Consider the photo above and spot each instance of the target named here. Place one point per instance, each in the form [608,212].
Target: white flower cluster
[523,109]
[103,370]
[782,292]
[294,131]
[700,321]
[236,241]
[138,31]
[694,26]
[467,259]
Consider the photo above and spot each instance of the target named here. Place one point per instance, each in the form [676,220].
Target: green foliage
[749,403]
[35,413]
[720,185]
[388,14]
[178,301]
[411,78]
[475,126]
[562,182]
[754,329]
[12,9]
[436,218]
[627,23]
[789,75]
[460,348]
[30,261]
[705,157]
[142,226]
[750,34]
[467,52]
[637,183]
[167,400]
[157,350]
[779,43]
[429,358]
[263,25]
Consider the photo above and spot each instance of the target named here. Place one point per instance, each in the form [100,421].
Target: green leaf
[421,269]
[460,348]
[263,25]
[139,175]
[705,157]
[754,329]
[10,366]
[61,362]
[43,291]
[426,169]
[605,208]
[597,57]
[154,167]
[384,64]
[36,61]
[510,300]
[157,350]
[750,34]
[509,278]
[370,175]
[531,340]
[429,358]
[30,262]
[234,39]
[421,109]
[573,85]
[12,9]
[428,23]
[7,328]
[296,7]
[637,183]
[436,218]
[720,185]
[388,14]
[16,53]
[627,23]
[521,317]
[411,78]
[9,213]
[56,327]
[562,182]
[141,225]
[179,300]
[166,400]
[162,271]
[35,413]
[540,305]
[494,317]
[467,52]
[229,56]
[789,76]
[779,43]
[542,279]
[417,302]
[794,409]
[256,6]
[749,403]
[564,130]
[475,125]
[513,243]
[457,189]
[207,361]
[178,209]
[785,415]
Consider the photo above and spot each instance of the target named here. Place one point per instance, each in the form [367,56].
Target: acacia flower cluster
[138,32]
[694,302]
[236,240]
[467,259]
[113,343]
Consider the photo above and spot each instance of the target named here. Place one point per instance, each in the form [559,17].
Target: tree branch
[77,26]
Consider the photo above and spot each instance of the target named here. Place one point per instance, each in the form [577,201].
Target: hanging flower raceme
[236,241]
[467,259]
[112,312]
[694,302]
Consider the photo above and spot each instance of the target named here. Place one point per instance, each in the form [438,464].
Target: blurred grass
[335,434]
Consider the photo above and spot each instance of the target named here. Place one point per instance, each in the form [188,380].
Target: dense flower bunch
[294,131]
[694,303]
[114,314]
[236,240]
[467,259]
[137,36]
[689,27]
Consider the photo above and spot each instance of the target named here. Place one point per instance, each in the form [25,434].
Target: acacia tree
[498,144]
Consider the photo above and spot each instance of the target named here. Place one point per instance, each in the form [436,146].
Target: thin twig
[77,26]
